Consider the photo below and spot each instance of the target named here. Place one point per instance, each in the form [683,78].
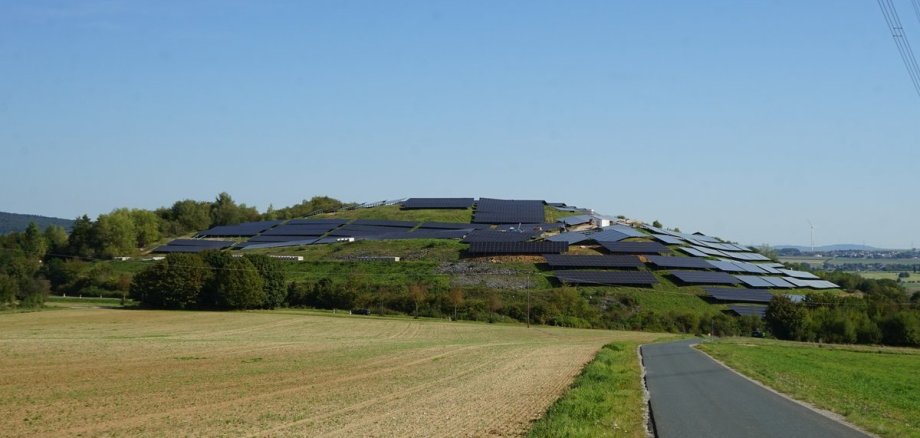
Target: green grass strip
[877,388]
[604,401]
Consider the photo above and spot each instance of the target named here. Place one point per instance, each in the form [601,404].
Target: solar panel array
[754,281]
[577,220]
[288,243]
[635,247]
[678,262]
[704,277]
[576,261]
[498,236]
[798,274]
[627,230]
[193,245]
[385,223]
[670,240]
[500,211]
[737,295]
[626,278]
[693,251]
[437,203]
[748,310]
[518,247]
[571,238]
[245,229]
[607,236]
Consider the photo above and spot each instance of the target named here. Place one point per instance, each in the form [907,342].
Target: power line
[900,39]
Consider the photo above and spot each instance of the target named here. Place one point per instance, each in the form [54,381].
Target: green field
[116,372]
[876,388]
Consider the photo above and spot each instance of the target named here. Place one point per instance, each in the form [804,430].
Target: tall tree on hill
[33,242]
[273,278]
[82,241]
[56,237]
[116,233]
[146,226]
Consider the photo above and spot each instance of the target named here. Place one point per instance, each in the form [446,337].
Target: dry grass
[92,372]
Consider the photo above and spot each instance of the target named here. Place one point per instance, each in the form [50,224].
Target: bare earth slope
[127,372]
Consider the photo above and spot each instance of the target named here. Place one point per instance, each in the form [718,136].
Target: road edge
[647,414]
[833,416]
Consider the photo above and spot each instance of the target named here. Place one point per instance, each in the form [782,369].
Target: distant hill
[13,222]
[837,247]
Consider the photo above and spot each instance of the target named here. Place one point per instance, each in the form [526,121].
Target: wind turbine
[812,226]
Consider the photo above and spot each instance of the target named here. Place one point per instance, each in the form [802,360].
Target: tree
[224,210]
[56,237]
[146,226]
[273,278]
[191,215]
[116,233]
[456,299]
[418,292]
[785,319]
[33,242]
[173,283]
[83,240]
[235,283]
[8,291]
[657,224]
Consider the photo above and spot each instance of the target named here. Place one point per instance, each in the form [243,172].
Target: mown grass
[419,249]
[877,388]
[393,212]
[606,400]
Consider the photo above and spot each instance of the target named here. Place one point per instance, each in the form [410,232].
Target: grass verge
[876,388]
[604,401]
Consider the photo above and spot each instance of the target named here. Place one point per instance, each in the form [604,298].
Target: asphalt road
[693,396]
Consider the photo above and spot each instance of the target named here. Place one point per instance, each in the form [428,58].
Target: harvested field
[93,372]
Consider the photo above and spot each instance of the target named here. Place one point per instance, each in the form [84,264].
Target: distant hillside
[13,222]
[826,248]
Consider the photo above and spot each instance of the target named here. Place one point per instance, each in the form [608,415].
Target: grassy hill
[15,222]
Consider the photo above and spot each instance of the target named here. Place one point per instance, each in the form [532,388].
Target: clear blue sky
[739,119]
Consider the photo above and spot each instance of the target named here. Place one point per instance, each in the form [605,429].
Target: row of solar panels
[685,277]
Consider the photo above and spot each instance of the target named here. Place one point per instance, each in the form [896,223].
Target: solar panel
[766,267]
[577,220]
[772,265]
[704,277]
[518,247]
[201,242]
[243,229]
[748,310]
[737,295]
[520,227]
[635,247]
[725,265]
[799,274]
[257,245]
[693,251]
[670,240]
[779,282]
[750,268]
[451,226]
[265,239]
[754,281]
[607,236]
[500,211]
[678,262]
[498,236]
[183,248]
[574,261]
[710,252]
[571,238]
[437,203]
[299,230]
[385,223]
[627,230]
[606,277]
[814,284]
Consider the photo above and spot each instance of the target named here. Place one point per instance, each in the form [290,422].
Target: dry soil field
[92,372]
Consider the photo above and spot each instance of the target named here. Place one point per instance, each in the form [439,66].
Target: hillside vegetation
[14,222]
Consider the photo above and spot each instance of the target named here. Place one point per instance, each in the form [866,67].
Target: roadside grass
[876,388]
[76,302]
[605,400]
